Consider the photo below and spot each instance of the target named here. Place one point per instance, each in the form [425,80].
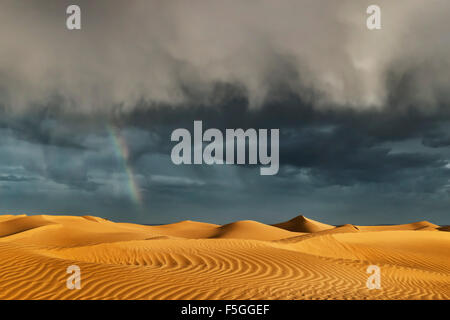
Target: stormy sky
[86,115]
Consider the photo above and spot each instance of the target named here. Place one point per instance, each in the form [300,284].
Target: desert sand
[297,259]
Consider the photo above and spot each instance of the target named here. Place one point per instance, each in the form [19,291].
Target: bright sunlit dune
[421,225]
[303,224]
[297,259]
[252,230]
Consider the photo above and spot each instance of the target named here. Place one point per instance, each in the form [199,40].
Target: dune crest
[252,230]
[420,225]
[303,224]
[11,226]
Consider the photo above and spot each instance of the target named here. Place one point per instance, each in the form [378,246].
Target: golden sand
[297,259]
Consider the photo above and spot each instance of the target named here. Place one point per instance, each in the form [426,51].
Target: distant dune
[421,225]
[252,230]
[297,259]
[303,224]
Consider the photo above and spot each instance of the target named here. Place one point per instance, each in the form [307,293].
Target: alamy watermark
[236,142]
[74,280]
[73,21]
[373,22]
[374,280]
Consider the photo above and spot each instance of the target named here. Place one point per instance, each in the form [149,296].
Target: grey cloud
[175,181]
[175,52]
[436,139]
[348,103]
[16,178]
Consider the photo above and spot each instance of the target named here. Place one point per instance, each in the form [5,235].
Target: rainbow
[122,153]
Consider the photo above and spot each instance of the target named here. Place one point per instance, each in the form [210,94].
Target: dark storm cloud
[363,116]
[437,139]
[341,147]
[175,52]
[334,146]
[46,131]
[318,150]
[15,178]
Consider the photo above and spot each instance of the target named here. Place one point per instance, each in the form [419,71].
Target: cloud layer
[363,115]
[177,52]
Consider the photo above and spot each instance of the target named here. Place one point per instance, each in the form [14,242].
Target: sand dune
[252,230]
[21,224]
[297,259]
[187,229]
[303,224]
[421,225]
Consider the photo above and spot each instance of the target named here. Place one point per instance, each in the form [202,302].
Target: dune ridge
[297,259]
[303,224]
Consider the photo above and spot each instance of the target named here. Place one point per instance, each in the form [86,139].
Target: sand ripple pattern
[156,266]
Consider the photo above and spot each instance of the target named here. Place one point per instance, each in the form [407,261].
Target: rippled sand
[298,259]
